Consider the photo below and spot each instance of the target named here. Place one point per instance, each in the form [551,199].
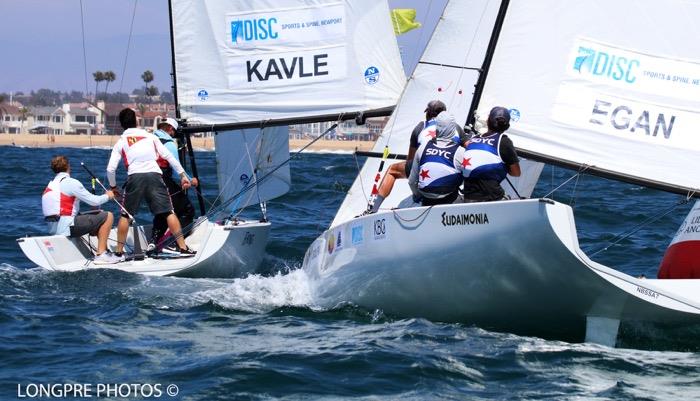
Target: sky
[42,46]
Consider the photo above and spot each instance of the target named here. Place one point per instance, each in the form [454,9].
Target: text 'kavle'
[285,68]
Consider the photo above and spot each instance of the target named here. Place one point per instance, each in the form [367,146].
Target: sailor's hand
[115,192]
[195,182]
[185,182]
[110,194]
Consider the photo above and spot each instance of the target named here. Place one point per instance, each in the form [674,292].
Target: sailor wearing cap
[423,132]
[182,206]
[488,158]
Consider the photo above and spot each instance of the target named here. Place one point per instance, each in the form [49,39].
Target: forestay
[242,61]
[448,70]
[246,155]
[614,85]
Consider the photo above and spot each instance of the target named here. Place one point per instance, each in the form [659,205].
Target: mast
[481,81]
[186,135]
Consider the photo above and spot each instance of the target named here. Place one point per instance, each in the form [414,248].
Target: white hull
[223,251]
[509,265]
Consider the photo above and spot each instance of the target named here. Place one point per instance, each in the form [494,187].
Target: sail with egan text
[616,90]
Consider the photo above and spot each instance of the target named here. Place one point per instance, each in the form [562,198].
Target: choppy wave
[263,337]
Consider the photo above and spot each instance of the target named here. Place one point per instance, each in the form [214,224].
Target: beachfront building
[346,131]
[11,121]
[46,120]
[82,119]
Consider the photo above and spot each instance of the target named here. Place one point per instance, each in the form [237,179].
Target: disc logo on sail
[600,63]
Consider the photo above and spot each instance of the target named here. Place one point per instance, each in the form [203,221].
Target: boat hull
[511,265]
[223,251]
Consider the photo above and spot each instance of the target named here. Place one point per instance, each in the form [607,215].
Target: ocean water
[263,338]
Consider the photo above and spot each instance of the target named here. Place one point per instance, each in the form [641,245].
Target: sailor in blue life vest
[422,132]
[181,202]
[488,158]
[60,204]
[435,175]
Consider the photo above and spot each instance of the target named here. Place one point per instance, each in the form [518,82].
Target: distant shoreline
[107,141]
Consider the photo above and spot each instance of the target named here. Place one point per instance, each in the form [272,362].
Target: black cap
[434,107]
[499,119]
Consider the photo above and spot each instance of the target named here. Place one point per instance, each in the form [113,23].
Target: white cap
[172,122]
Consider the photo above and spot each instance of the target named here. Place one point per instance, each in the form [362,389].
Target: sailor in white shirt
[140,150]
[60,204]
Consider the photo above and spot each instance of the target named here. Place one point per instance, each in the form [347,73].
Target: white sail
[614,85]
[246,155]
[241,61]
[448,70]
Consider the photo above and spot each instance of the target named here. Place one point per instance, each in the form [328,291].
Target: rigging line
[229,180]
[639,226]
[572,200]
[461,67]
[128,45]
[469,51]
[226,203]
[82,28]
[410,220]
[422,34]
[359,176]
[260,146]
[584,168]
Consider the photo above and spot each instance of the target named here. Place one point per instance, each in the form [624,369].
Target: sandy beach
[83,141]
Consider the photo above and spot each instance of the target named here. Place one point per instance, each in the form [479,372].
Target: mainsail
[240,61]
[448,70]
[616,90]
[243,62]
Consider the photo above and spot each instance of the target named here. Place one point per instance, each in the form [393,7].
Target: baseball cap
[435,107]
[499,112]
[499,119]
[172,122]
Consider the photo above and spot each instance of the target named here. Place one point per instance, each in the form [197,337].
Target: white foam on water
[260,294]
[644,374]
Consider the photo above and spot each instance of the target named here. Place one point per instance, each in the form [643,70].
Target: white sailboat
[245,70]
[604,86]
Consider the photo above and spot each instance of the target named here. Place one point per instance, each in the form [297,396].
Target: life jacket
[438,174]
[482,160]
[429,132]
[56,203]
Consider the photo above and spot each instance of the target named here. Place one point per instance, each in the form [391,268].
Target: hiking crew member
[435,174]
[424,130]
[140,151]
[488,158]
[181,202]
[60,204]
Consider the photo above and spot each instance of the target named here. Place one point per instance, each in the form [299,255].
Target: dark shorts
[88,223]
[148,186]
[407,167]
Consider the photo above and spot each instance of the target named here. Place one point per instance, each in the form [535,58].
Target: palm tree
[109,76]
[147,77]
[99,77]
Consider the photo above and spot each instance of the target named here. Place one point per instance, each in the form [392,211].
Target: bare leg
[103,234]
[122,228]
[396,171]
[174,227]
